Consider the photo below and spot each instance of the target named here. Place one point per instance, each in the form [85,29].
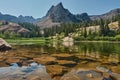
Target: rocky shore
[4,46]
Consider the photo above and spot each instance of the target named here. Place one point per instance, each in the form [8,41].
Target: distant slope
[107,15]
[47,23]
[21,18]
[12,28]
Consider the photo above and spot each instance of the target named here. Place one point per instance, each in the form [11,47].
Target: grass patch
[20,41]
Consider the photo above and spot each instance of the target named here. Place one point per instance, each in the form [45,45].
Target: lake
[61,58]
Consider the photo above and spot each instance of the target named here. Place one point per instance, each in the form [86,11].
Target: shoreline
[99,41]
[43,41]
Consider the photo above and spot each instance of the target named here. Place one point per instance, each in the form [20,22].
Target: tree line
[69,28]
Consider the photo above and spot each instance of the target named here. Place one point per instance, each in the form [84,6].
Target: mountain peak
[59,5]
[58,8]
[20,16]
[59,14]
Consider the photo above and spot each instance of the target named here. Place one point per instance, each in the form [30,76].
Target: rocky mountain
[58,14]
[28,19]
[11,27]
[107,15]
[21,18]
[83,17]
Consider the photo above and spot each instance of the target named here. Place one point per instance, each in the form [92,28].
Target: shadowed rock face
[83,17]
[4,46]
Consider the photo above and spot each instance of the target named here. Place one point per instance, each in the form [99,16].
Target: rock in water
[82,75]
[4,46]
[103,69]
[107,77]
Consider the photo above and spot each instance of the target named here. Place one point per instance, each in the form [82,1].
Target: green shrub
[79,38]
[117,37]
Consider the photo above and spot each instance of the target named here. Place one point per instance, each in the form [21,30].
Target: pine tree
[102,30]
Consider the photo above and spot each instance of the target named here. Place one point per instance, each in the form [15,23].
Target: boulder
[66,63]
[56,70]
[46,60]
[82,75]
[107,77]
[103,69]
[116,69]
[71,76]
[86,74]
[19,60]
[12,60]
[115,76]
[64,56]
[68,39]
[2,63]
[4,46]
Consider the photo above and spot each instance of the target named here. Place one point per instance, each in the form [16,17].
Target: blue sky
[38,8]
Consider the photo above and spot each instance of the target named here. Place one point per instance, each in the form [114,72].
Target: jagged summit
[57,15]
[29,19]
[57,8]
[83,17]
[60,5]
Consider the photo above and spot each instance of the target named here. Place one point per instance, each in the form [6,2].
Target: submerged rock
[56,70]
[65,56]
[12,60]
[107,77]
[71,76]
[103,69]
[4,46]
[84,74]
[66,63]
[46,60]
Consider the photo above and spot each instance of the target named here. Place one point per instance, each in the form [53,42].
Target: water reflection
[15,72]
[93,50]
[67,44]
[114,58]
